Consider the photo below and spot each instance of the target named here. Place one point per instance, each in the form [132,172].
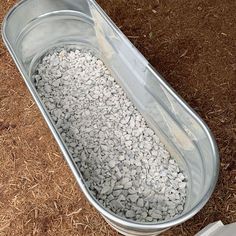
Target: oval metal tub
[33,27]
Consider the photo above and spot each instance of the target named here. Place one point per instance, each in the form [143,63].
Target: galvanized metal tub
[33,27]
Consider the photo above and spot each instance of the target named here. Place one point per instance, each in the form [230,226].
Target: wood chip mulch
[192,44]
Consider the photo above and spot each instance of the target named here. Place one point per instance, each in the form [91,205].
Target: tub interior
[82,24]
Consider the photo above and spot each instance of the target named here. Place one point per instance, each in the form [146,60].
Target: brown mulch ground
[193,44]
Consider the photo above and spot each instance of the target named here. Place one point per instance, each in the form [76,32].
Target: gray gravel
[124,164]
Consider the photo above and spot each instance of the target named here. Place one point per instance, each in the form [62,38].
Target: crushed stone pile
[123,162]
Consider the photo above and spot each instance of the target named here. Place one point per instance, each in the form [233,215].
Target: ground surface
[192,43]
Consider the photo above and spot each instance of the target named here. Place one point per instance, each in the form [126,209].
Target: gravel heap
[123,162]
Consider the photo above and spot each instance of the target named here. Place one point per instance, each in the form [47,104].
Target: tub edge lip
[103,211]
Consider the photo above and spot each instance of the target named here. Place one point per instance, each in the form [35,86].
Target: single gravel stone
[140,202]
[106,189]
[144,215]
[130,214]
[149,218]
[123,162]
[112,163]
[133,197]
[121,158]
[128,185]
